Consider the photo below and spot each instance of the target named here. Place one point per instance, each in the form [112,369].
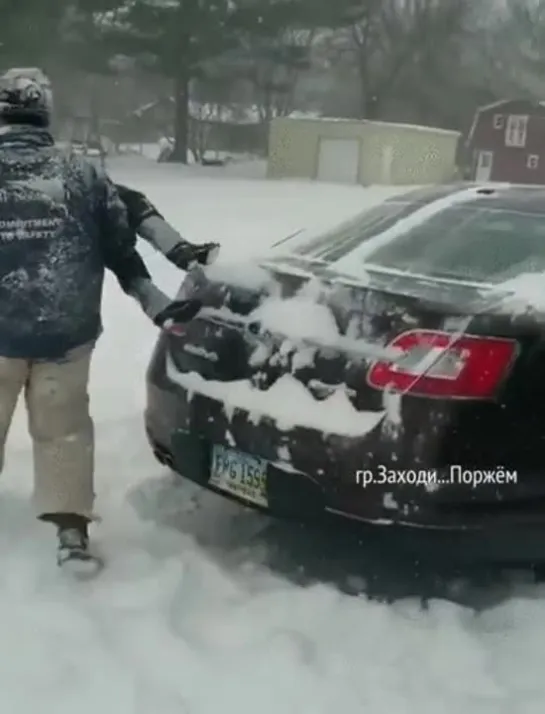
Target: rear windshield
[460,242]
[343,239]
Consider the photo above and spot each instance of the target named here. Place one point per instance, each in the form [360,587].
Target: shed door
[485,160]
[338,160]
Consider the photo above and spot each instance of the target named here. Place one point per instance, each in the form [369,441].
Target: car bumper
[321,476]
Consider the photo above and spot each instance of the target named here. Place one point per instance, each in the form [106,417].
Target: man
[62,224]
[145,219]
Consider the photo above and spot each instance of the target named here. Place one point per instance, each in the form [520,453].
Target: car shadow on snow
[372,562]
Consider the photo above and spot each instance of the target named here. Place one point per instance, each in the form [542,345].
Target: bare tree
[389,38]
[270,65]
[516,49]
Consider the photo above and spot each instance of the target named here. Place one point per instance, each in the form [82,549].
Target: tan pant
[57,402]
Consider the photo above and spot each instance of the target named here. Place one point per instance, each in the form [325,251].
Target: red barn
[506,142]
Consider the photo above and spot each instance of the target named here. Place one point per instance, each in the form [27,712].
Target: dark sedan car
[376,372]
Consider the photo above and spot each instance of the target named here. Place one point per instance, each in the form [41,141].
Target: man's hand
[176,313]
[164,312]
[184,254]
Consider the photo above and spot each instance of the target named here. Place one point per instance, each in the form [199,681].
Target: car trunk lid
[384,334]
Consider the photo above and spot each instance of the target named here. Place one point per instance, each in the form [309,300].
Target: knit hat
[25,97]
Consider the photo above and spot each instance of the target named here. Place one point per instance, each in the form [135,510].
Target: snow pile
[241,274]
[287,402]
[305,321]
[297,318]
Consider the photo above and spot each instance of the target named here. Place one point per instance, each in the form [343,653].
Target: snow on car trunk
[523,294]
[287,402]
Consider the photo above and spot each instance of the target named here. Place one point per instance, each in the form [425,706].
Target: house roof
[391,124]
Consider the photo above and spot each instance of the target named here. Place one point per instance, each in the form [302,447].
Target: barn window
[499,121]
[515,133]
[532,162]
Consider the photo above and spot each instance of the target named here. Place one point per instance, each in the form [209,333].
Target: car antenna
[283,240]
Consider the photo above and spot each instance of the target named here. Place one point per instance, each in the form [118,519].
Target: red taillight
[440,364]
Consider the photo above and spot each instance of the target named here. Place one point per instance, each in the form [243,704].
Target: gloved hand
[177,313]
[164,312]
[185,254]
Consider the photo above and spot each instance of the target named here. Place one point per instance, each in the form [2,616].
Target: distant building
[506,143]
[360,152]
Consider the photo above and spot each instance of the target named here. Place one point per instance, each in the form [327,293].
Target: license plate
[239,474]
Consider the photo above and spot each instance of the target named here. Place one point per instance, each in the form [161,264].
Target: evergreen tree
[175,38]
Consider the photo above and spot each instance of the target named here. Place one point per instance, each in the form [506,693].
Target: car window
[343,239]
[465,243]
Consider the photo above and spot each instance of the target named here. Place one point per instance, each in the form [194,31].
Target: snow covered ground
[188,618]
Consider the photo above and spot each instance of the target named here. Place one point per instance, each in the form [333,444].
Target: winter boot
[73,550]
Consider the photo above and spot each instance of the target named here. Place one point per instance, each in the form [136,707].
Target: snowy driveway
[167,629]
